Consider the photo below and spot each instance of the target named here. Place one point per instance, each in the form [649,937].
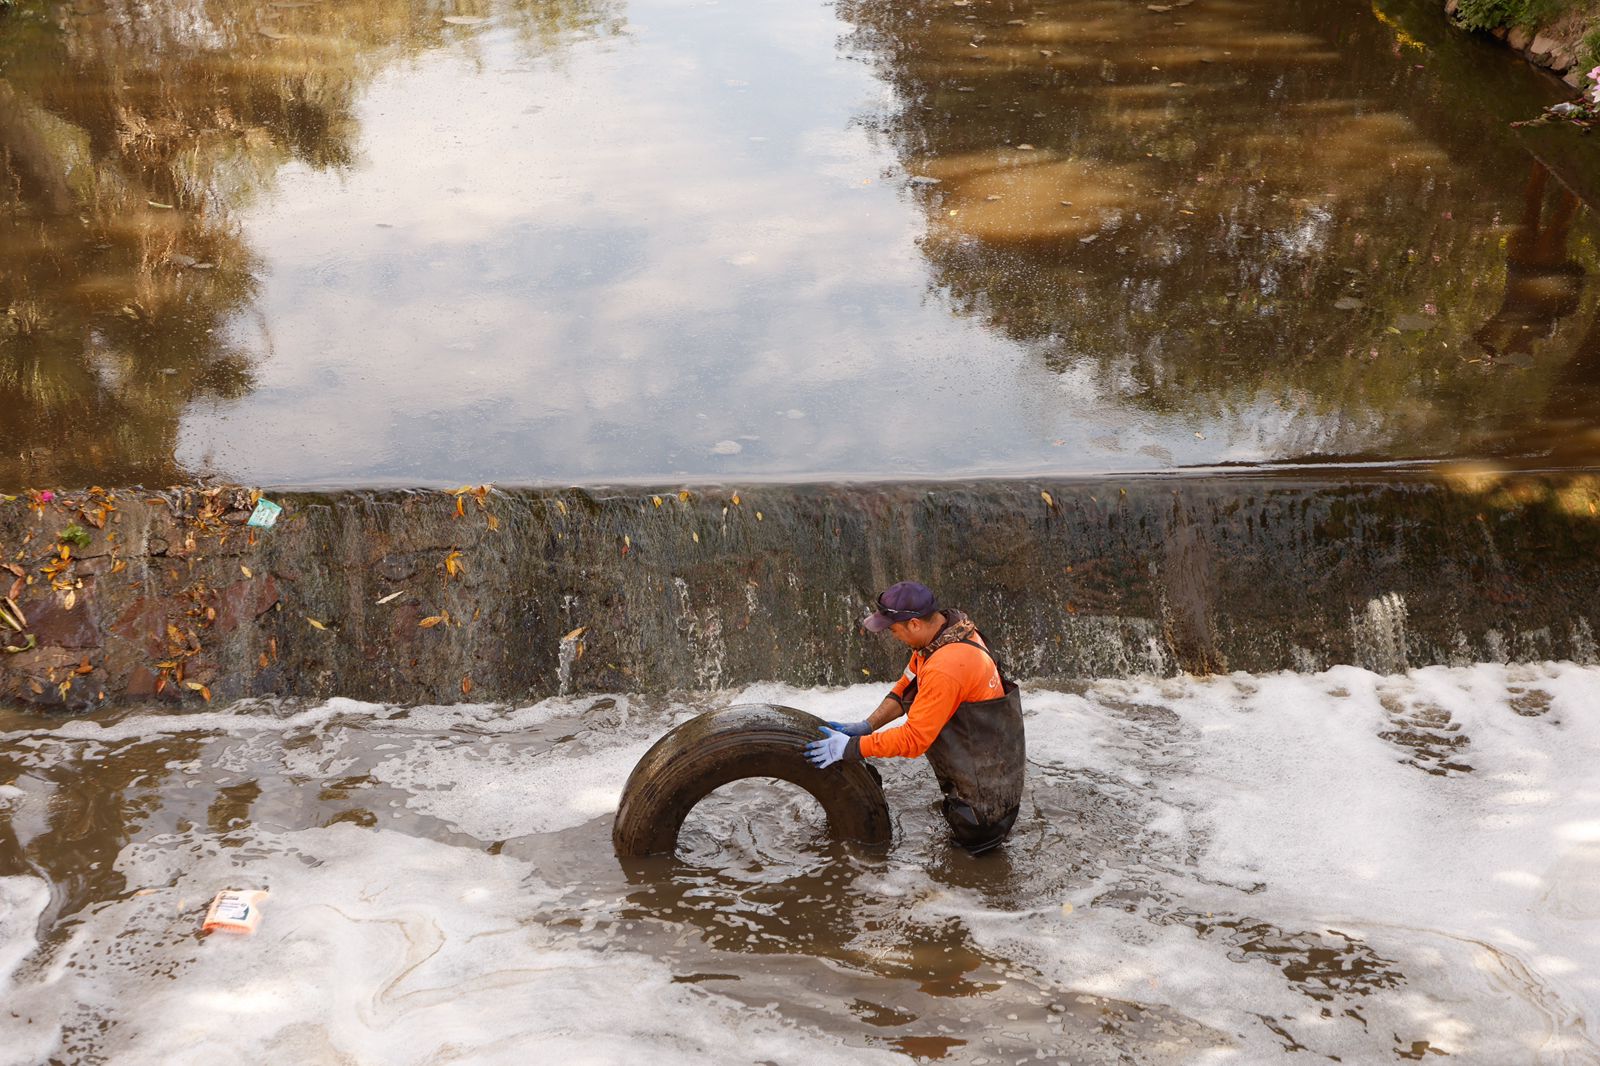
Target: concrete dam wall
[514,595]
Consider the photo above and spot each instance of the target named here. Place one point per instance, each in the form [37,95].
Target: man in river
[959,710]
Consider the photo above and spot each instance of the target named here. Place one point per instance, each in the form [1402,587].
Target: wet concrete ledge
[423,597]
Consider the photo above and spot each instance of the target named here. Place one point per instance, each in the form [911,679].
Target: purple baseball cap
[900,603]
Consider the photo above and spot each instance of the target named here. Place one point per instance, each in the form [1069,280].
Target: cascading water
[411,597]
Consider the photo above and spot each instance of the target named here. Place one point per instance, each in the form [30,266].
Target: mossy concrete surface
[168,597]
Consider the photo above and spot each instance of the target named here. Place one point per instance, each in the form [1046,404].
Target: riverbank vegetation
[1561,34]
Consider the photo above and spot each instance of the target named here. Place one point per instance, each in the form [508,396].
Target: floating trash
[265,516]
[234,912]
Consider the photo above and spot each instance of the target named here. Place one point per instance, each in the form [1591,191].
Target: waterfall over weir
[512,594]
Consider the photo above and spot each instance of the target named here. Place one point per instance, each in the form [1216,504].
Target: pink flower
[46,496]
[1594,75]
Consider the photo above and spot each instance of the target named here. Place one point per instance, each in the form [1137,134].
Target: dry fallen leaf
[391,596]
[575,634]
[466,686]
[245,570]
[656,500]
[1045,496]
[431,621]
[453,564]
[196,686]
[316,624]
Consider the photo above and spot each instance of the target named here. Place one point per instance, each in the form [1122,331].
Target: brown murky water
[758,904]
[384,242]
[1234,870]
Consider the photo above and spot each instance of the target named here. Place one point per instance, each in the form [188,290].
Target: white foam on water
[256,717]
[268,716]
[1267,855]
[375,947]
[22,901]
[497,791]
[1290,809]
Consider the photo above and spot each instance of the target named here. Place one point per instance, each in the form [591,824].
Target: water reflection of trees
[1261,215]
[1544,286]
[130,135]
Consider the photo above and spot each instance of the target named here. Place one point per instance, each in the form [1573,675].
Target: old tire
[731,744]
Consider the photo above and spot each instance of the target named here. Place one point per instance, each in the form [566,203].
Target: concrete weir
[431,597]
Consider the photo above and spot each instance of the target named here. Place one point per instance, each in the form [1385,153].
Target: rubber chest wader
[979,759]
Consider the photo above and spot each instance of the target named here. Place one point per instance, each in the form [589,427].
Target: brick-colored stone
[243,602]
[54,624]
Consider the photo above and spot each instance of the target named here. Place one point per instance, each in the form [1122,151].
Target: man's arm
[938,695]
[887,711]
[834,746]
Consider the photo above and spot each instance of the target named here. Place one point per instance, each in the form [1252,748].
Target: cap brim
[876,622]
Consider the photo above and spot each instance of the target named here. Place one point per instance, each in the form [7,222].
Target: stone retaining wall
[432,597]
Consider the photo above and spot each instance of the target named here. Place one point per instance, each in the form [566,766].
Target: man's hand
[853,729]
[829,750]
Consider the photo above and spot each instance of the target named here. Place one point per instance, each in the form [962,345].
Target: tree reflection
[1260,217]
[1543,283]
[1544,286]
[130,137]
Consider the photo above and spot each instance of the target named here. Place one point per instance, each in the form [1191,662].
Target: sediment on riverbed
[511,595]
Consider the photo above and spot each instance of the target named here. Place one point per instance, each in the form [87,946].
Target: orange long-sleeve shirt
[958,674]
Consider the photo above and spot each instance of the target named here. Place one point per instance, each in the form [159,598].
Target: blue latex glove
[852,729]
[829,750]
